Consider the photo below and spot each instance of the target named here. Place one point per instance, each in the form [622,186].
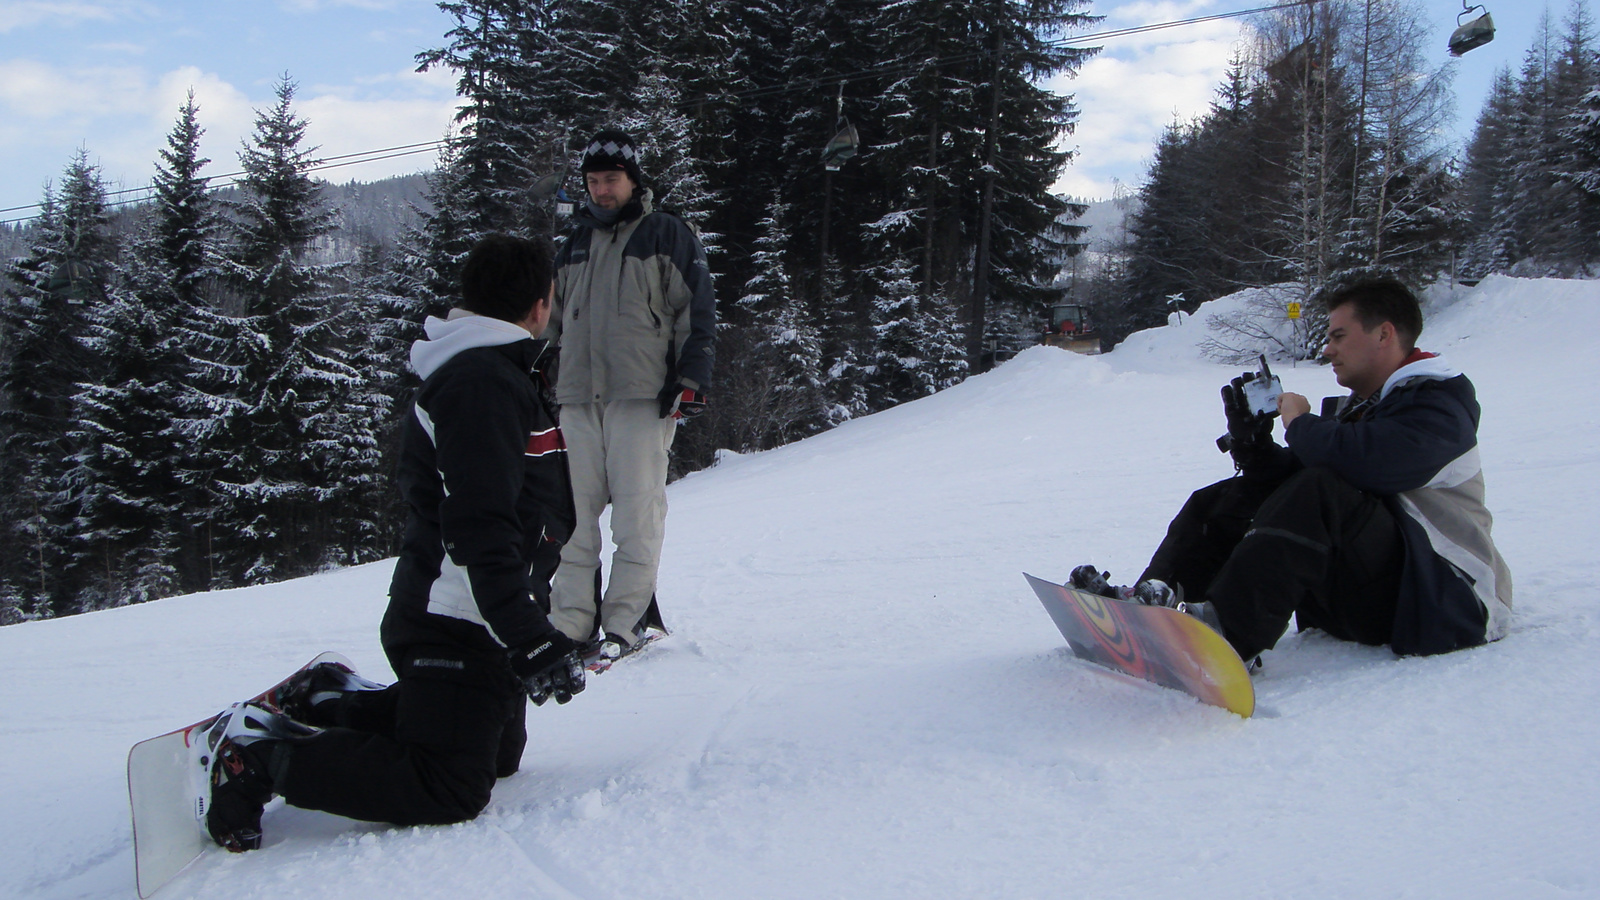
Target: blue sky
[109,76]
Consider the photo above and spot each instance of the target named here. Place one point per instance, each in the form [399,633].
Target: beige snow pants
[617,452]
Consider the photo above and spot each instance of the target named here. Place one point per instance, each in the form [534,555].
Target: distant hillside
[379,211]
[1104,219]
[370,213]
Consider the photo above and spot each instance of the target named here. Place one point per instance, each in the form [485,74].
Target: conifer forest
[200,390]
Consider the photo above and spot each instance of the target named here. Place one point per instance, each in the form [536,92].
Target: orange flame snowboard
[1159,645]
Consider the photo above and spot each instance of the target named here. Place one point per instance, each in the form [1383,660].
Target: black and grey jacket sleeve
[695,332]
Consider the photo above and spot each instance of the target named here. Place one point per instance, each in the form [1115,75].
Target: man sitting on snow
[1370,525]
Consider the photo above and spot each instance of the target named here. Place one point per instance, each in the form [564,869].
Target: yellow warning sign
[1294,310]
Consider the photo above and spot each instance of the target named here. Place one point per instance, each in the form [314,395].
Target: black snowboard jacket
[483,472]
[1416,447]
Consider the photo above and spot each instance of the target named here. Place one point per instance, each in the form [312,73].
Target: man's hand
[549,667]
[1245,427]
[681,402]
[1292,406]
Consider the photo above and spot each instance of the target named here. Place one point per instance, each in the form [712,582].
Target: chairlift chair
[552,188]
[74,281]
[1473,34]
[842,147]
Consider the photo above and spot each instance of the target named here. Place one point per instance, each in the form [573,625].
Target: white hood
[1434,368]
[461,331]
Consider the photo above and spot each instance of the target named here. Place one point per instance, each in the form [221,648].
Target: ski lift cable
[326,163]
[910,67]
[233,178]
[753,93]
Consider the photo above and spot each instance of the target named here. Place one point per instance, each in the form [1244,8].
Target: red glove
[681,402]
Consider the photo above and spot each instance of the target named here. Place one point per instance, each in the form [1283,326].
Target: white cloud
[1136,87]
[312,6]
[16,14]
[413,113]
[122,116]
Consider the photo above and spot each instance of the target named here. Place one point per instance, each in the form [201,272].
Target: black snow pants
[1263,549]
[424,751]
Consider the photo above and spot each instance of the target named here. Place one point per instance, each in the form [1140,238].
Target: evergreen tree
[675,172]
[42,360]
[277,433]
[504,51]
[1488,186]
[1533,210]
[174,276]
[786,345]
[123,540]
[1583,135]
[916,348]
[1577,76]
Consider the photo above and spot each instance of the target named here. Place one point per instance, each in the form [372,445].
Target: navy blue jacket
[1416,447]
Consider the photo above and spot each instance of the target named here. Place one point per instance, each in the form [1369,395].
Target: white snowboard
[169,787]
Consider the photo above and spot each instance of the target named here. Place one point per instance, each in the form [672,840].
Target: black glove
[681,402]
[549,667]
[1249,438]
[1246,427]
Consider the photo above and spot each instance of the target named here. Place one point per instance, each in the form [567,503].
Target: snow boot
[1091,579]
[248,747]
[311,696]
[1206,612]
[613,647]
[1154,592]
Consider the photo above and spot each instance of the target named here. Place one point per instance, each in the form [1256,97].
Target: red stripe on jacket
[541,443]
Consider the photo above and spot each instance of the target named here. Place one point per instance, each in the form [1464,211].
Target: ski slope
[863,698]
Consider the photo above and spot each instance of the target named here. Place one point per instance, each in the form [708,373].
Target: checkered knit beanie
[609,151]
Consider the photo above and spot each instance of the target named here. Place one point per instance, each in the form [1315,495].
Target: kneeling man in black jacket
[483,472]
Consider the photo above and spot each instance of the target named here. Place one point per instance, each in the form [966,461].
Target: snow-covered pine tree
[689,62]
[174,275]
[1577,76]
[917,347]
[42,360]
[1028,234]
[1583,136]
[357,505]
[503,52]
[1489,243]
[790,402]
[846,351]
[123,539]
[1534,209]
[13,605]
[277,430]
[674,171]
[748,135]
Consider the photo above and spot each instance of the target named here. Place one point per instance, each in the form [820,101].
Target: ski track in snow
[863,699]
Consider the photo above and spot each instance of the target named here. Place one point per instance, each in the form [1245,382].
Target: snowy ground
[864,699]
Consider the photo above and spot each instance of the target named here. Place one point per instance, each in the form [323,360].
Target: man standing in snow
[635,318]
[484,475]
[1370,525]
